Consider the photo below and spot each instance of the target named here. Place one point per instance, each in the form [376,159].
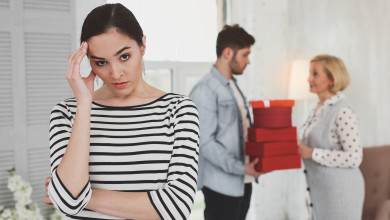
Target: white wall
[285,30]
[357,31]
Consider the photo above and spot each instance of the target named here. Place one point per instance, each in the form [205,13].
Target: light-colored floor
[198,208]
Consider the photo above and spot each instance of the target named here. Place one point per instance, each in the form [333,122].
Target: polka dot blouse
[343,132]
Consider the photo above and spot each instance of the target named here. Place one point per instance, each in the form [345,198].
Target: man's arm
[210,148]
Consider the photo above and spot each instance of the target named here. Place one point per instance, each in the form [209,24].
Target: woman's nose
[309,78]
[116,71]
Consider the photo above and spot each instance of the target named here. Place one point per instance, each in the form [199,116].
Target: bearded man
[225,175]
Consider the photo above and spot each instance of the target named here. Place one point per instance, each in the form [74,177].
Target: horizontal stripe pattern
[151,148]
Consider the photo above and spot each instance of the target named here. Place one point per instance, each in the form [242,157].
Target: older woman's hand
[305,151]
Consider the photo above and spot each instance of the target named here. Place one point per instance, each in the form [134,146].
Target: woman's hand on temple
[305,151]
[82,87]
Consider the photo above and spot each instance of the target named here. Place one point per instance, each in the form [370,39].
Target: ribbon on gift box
[268,103]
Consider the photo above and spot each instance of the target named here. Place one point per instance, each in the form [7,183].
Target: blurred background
[36,37]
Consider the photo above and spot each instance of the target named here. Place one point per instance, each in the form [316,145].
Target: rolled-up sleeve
[210,148]
[175,199]
[60,130]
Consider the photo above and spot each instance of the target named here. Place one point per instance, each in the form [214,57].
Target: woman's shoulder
[343,105]
[63,110]
[346,111]
[178,99]
[65,105]
[178,103]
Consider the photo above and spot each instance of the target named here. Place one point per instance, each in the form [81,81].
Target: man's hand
[47,200]
[250,169]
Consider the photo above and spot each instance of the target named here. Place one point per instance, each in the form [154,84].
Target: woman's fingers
[47,201]
[75,61]
[78,58]
[70,62]
[90,80]
[47,181]
[82,87]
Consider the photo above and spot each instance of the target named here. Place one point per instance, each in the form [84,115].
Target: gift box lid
[272,103]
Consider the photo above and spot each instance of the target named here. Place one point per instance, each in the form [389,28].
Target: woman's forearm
[73,168]
[130,205]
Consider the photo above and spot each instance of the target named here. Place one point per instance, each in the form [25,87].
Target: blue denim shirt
[221,150]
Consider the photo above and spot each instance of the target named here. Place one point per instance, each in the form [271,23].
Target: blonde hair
[336,71]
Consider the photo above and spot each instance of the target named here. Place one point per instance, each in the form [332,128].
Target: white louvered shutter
[4,3]
[36,38]
[38,161]
[6,103]
[45,55]
[48,5]
[7,159]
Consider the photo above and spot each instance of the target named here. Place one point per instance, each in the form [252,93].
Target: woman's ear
[143,45]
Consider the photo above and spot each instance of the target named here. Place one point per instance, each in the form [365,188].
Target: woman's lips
[120,85]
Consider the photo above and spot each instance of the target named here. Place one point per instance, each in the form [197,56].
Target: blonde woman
[331,145]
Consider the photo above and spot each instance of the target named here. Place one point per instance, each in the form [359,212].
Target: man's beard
[235,67]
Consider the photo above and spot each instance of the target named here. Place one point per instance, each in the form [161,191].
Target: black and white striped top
[151,148]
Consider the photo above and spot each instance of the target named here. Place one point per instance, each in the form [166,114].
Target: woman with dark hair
[331,145]
[126,150]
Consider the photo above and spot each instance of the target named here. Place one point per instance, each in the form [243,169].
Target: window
[177,30]
[159,78]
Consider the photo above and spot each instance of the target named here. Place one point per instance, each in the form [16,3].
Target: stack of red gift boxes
[272,138]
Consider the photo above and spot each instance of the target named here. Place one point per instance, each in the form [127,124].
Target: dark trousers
[222,207]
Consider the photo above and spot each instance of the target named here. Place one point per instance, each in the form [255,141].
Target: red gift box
[272,103]
[275,117]
[271,149]
[266,164]
[272,135]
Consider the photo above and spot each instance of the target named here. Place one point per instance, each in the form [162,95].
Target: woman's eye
[315,74]
[101,63]
[125,57]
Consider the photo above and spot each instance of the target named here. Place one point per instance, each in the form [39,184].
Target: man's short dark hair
[234,37]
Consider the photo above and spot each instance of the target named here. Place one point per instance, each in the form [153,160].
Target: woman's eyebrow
[116,54]
[97,58]
[120,51]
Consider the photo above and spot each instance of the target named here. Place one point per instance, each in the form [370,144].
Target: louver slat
[57,5]
[4,3]
[6,103]
[39,169]
[7,158]
[46,62]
